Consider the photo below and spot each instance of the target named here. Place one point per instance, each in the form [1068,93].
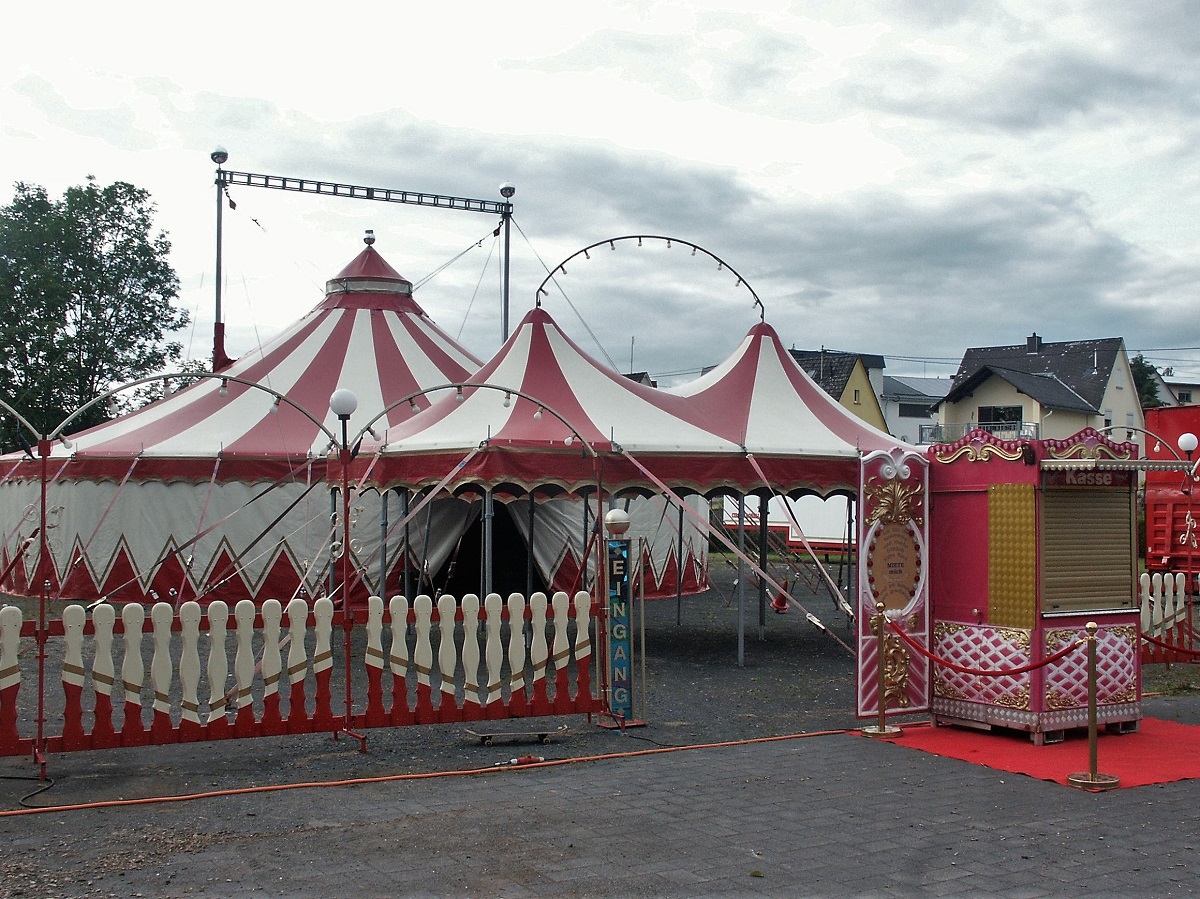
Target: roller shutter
[1088,553]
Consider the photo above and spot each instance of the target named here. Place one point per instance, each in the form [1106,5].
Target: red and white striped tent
[217,490]
[543,415]
[529,430]
[800,436]
[541,400]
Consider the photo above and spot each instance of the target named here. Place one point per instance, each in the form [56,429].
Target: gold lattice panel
[1012,555]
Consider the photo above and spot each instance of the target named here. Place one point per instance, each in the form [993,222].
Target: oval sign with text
[894,564]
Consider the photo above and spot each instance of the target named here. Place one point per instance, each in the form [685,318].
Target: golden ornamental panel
[1089,444]
[1012,555]
[977,446]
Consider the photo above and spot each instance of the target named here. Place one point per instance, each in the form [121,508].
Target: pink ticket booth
[1028,541]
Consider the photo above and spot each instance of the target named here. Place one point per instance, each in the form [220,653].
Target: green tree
[86,298]
[1144,376]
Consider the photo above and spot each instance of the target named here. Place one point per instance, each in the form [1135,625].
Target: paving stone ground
[791,801]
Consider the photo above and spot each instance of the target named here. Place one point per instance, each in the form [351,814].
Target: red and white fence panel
[204,674]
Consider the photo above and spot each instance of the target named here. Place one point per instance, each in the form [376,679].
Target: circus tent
[542,404]
[543,415]
[217,490]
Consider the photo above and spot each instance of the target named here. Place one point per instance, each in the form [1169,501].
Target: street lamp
[342,403]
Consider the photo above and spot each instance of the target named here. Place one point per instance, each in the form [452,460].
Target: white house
[1039,389]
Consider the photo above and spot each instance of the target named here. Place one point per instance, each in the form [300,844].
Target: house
[1183,393]
[908,404]
[853,379]
[1042,390]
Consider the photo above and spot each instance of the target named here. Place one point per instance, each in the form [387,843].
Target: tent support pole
[587,508]
[679,573]
[408,557]
[529,560]
[741,650]
[383,547]
[489,516]
[847,566]
[763,512]
[333,516]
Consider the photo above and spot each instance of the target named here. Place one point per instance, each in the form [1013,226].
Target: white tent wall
[560,540]
[822,521]
[141,541]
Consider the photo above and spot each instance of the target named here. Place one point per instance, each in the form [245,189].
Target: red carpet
[1161,751]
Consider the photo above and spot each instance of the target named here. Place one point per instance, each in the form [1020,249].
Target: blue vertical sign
[620,644]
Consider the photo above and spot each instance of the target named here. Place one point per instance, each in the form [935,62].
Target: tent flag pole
[719,535]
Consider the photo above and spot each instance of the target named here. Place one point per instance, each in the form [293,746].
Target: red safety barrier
[204,674]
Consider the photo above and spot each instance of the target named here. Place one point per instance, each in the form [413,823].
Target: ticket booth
[1029,541]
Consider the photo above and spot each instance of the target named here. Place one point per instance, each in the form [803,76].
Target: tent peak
[368,281]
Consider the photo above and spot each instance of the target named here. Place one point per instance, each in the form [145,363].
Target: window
[1185,396]
[857,397]
[1000,415]
[915,410]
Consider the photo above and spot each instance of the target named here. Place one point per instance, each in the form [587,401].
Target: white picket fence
[270,670]
[1163,603]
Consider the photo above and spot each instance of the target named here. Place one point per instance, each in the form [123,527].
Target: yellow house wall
[1121,397]
[867,408]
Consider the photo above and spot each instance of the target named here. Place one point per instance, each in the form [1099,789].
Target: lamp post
[506,190]
[343,403]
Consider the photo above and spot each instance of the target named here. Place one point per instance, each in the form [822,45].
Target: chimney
[1033,344]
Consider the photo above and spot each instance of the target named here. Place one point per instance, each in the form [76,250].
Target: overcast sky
[901,178]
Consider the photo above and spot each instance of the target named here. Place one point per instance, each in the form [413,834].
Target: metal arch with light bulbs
[612,242]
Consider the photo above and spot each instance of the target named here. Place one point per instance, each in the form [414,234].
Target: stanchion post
[1092,779]
[881,728]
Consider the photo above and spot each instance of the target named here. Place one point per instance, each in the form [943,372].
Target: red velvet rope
[1170,646]
[938,660]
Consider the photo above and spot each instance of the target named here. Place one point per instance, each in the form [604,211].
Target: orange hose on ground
[387,778]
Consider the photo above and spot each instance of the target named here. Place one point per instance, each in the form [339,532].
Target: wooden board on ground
[541,736]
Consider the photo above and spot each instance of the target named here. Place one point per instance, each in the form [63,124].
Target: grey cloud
[1032,91]
[870,270]
[113,124]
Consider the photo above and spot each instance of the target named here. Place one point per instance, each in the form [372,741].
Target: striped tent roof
[758,402]
[368,334]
